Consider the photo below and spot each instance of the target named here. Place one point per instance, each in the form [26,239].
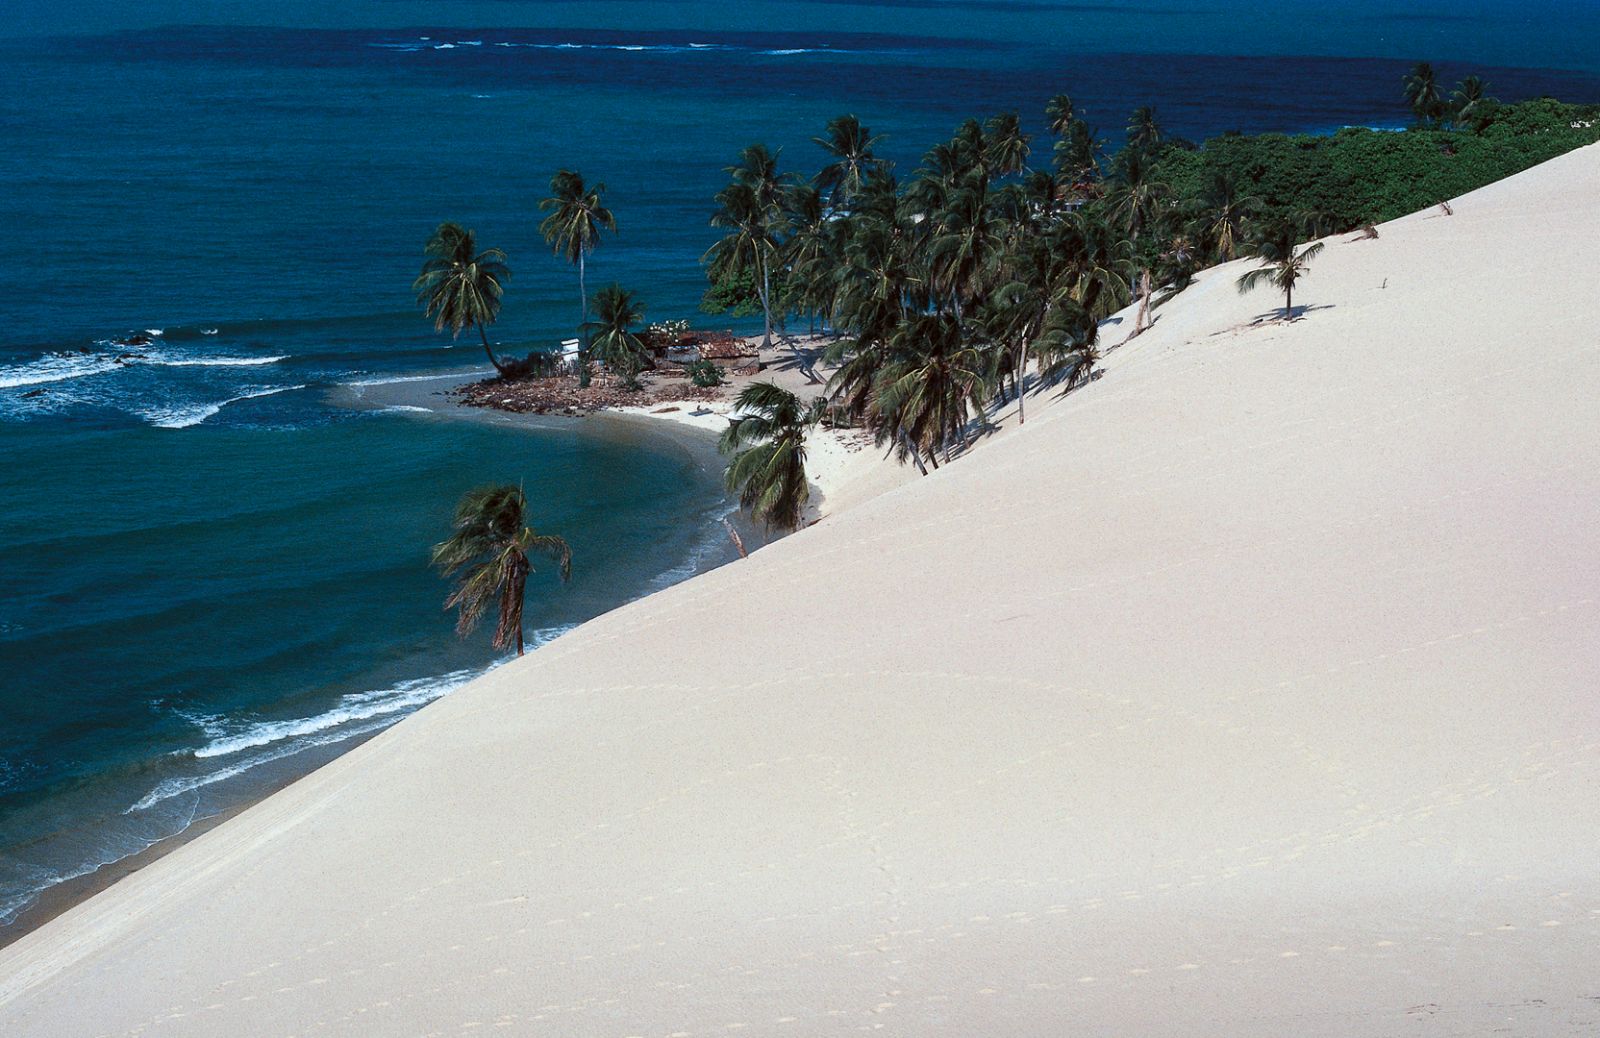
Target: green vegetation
[488,555]
[768,444]
[460,287]
[577,216]
[1285,267]
[984,275]
[614,343]
[1357,176]
[705,374]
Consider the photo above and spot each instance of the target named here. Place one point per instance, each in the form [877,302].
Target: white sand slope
[1251,691]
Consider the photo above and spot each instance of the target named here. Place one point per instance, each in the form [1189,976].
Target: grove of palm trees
[987,272]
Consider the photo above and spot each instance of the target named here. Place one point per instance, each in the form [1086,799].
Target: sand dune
[1250,691]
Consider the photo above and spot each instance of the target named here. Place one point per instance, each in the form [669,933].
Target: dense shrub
[705,374]
[1358,175]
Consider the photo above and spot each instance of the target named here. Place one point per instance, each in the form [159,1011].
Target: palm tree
[935,379]
[460,287]
[573,227]
[959,249]
[1006,146]
[1224,212]
[1283,270]
[616,312]
[769,468]
[1144,129]
[1059,114]
[811,253]
[849,145]
[1074,152]
[1470,103]
[753,211]
[490,548]
[1422,93]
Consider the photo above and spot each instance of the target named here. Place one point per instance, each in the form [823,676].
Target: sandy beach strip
[1248,691]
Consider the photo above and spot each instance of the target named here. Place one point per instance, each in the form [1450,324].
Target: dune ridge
[1247,691]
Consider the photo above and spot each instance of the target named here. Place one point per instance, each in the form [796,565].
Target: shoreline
[843,466]
[422,393]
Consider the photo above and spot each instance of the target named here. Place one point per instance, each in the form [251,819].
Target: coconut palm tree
[958,251]
[1059,113]
[1470,104]
[1422,93]
[489,549]
[768,444]
[1284,268]
[935,380]
[1223,215]
[753,210]
[614,343]
[1006,146]
[577,216]
[849,145]
[460,287]
[1074,153]
[1144,129]
[811,252]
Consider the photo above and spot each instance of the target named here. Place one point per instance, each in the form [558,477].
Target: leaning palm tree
[1283,270]
[573,227]
[460,287]
[614,343]
[489,549]
[768,444]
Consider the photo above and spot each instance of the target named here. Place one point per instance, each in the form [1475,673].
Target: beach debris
[562,395]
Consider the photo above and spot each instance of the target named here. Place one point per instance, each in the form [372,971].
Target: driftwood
[738,542]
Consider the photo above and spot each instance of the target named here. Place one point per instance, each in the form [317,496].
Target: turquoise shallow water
[212,566]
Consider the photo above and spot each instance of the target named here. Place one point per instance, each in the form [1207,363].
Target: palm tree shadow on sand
[1277,316]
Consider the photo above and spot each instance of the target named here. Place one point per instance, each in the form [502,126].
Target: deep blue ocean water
[213,564]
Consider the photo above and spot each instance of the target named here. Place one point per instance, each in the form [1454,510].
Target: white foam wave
[57,367]
[405,409]
[184,417]
[173,787]
[357,706]
[397,379]
[208,331]
[215,362]
[157,332]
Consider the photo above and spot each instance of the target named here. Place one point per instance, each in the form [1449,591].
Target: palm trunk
[1143,316]
[911,449]
[766,304]
[583,294]
[1021,375]
[1288,304]
[519,639]
[492,358]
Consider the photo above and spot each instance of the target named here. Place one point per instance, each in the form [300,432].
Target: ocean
[213,544]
